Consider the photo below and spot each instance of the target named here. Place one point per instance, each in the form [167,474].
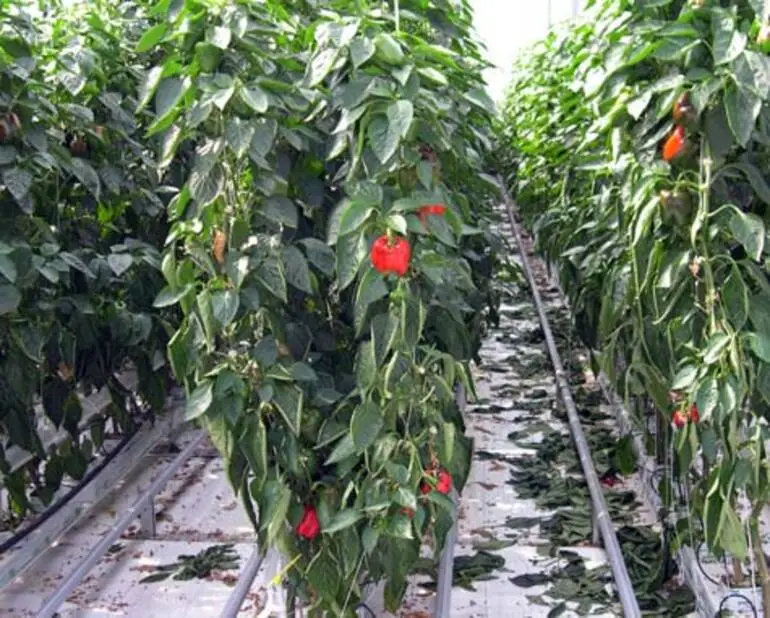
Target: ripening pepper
[684,113]
[391,256]
[431,209]
[694,414]
[309,527]
[443,484]
[679,419]
[675,144]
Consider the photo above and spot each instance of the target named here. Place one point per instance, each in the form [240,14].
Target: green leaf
[255,98]
[205,187]
[481,99]
[434,75]
[399,527]
[8,268]
[270,274]
[274,501]
[354,214]
[320,255]
[366,366]
[290,400]
[320,66]
[366,424]
[148,86]
[345,448]
[281,210]
[685,378]
[297,269]
[742,108]
[342,520]
[707,398]
[369,539]
[728,42]
[361,49]
[400,115]
[18,182]
[224,307]
[749,230]
[412,321]
[351,253]
[731,536]
[119,262]
[151,37]
[239,135]
[10,299]
[301,372]
[85,173]
[440,228]
[199,401]
[755,178]
[219,37]
[371,289]
[716,345]
[760,345]
[324,575]
[168,95]
[388,50]
[383,138]
[253,443]
[169,296]
[384,328]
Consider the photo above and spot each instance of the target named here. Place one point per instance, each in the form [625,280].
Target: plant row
[636,141]
[281,205]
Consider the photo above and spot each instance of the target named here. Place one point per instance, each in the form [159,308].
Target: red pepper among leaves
[408,512]
[443,483]
[431,209]
[694,414]
[679,419]
[391,257]
[309,527]
[675,144]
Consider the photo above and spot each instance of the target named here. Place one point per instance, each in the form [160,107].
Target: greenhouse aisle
[525,532]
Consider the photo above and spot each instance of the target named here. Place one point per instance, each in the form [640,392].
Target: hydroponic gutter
[705,603]
[602,519]
[49,607]
[19,557]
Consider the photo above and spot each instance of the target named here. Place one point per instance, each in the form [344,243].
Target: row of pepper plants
[281,204]
[636,142]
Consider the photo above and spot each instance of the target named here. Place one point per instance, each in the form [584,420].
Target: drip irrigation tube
[601,514]
[22,534]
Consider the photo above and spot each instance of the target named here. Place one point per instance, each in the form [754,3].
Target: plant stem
[759,555]
[397,8]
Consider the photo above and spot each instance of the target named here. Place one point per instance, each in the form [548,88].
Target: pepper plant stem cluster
[647,187]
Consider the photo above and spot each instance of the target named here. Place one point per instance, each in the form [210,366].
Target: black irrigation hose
[18,537]
[367,608]
[737,595]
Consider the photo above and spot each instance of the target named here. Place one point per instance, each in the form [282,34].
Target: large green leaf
[366,424]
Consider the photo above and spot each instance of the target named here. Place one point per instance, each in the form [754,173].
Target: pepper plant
[81,225]
[330,267]
[637,143]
